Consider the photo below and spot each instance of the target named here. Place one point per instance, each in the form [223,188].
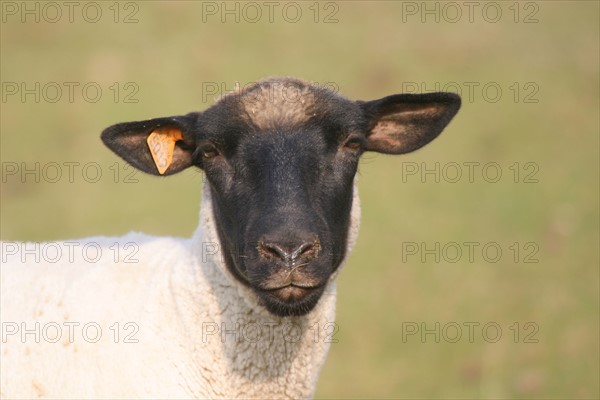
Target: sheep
[245,308]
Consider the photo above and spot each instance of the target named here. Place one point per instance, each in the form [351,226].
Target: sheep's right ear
[169,150]
[403,123]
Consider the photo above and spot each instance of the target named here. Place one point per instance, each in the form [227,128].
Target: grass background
[373,50]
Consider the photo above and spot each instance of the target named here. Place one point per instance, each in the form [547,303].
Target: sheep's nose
[306,251]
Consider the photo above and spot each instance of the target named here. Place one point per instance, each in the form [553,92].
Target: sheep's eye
[209,152]
[354,143]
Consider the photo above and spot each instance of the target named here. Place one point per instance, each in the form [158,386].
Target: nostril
[272,250]
[306,251]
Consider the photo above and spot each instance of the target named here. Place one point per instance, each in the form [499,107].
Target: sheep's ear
[402,123]
[169,150]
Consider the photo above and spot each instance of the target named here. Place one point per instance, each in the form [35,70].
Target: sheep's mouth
[293,299]
[290,278]
[293,284]
[290,293]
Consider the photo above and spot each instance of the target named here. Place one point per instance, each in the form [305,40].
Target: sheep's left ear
[160,146]
[402,123]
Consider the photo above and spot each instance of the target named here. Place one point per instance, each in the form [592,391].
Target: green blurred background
[544,58]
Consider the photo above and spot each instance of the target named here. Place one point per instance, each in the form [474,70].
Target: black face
[281,174]
[282,198]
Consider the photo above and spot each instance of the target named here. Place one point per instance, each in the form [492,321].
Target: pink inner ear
[396,134]
[388,132]
[396,129]
[416,110]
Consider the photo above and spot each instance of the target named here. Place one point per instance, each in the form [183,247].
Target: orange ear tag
[161,143]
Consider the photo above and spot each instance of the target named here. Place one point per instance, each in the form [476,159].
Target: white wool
[200,333]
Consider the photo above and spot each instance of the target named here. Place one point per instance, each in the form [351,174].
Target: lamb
[245,307]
